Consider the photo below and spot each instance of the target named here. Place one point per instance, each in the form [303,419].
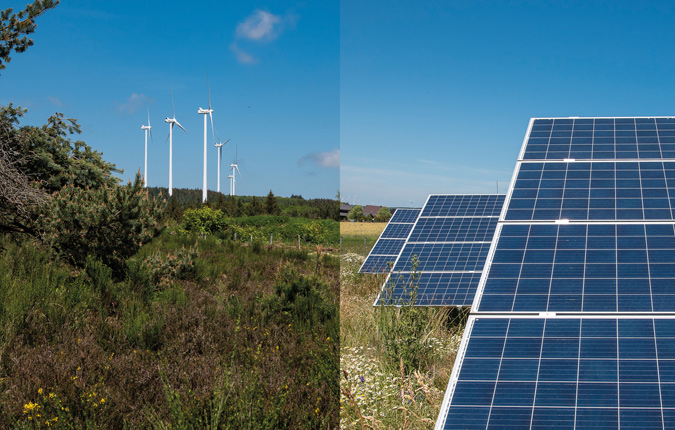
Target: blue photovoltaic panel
[437,289]
[454,229]
[594,191]
[443,257]
[582,268]
[396,231]
[565,373]
[389,245]
[378,264]
[592,353]
[601,138]
[450,239]
[463,205]
[408,216]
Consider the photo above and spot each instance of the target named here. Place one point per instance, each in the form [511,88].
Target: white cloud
[242,57]
[323,159]
[261,26]
[134,103]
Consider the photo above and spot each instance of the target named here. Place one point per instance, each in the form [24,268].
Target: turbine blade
[167,136]
[151,139]
[213,130]
[237,167]
[178,124]
[149,118]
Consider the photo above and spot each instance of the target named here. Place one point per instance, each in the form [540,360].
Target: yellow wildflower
[29,407]
[40,391]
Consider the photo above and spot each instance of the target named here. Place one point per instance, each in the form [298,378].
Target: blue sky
[436,96]
[274,75]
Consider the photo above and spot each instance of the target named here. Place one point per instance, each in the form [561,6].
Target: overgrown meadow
[395,362]
[201,332]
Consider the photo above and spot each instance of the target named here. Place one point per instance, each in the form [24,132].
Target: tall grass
[395,361]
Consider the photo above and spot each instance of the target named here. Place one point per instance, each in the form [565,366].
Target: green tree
[108,223]
[255,208]
[356,213]
[383,214]
[271,205]
[15,28]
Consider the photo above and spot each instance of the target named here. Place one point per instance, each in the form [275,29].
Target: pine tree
[271,205]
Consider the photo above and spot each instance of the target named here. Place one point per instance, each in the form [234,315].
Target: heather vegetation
[120,309]
[395,362]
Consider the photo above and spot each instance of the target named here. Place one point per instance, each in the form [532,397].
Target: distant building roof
[371,210]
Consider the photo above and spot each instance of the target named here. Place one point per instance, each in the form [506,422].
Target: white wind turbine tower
[233,180]
[171,122]
[204,112]
[147,129]
[219,145]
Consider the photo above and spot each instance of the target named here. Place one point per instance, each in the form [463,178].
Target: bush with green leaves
[203,220]
[108,223]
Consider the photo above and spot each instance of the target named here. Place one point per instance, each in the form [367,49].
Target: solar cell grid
[455,229]
[570,371]
[443,257]
[582,268]
[601,138]
[378,264]
[405,216]
[396,231]
[436,289]
[593,191]
[385,251]
[463,205]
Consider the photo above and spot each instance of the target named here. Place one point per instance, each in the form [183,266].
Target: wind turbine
[233,180]
[148,129]
[219,146]
[171,122]
[204,112]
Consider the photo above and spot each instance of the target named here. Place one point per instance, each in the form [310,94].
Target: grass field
[395,362]
[354,233]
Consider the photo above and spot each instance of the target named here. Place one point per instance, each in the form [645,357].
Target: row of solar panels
[573,322]
[434,256]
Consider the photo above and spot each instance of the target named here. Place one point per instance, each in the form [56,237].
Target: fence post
[251,239]
[364,247]
[271,234]
[235,236]
[298,241]
[340,244]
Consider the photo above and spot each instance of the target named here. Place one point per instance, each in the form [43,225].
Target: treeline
[294,206]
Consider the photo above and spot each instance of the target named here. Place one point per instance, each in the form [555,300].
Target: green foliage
[164,269]
[403,329]
[271,205]
[356,213]
[383,215]
[108,223]
[15,27]
[203,220]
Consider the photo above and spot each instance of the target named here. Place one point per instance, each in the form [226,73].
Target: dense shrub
[203,220]
[108,223]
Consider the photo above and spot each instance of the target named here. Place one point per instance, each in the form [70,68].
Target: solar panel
[571,372]
[583,268]
[601,138]
[446,249]
[622,190]
[573,323]
[389,244]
